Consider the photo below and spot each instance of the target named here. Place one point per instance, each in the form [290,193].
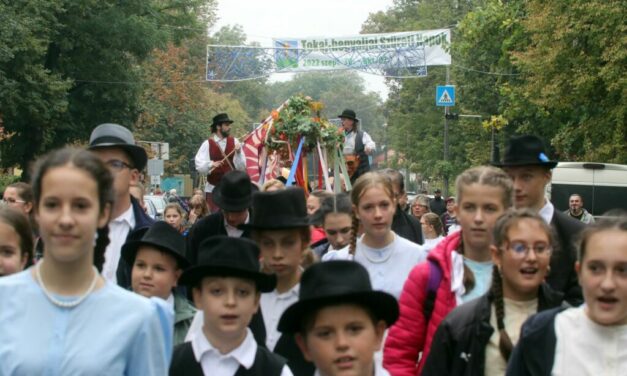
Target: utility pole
[448,73]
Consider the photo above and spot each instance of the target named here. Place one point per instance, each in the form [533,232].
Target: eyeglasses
[117,165]
[521,249]
[342,231]
[11,201]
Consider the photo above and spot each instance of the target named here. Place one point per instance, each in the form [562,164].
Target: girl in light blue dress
[60,317]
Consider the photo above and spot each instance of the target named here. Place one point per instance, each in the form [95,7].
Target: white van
[603,186]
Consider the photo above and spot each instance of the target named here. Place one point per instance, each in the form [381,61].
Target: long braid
[505,343]
[101,246]
[352,247]
[468,280]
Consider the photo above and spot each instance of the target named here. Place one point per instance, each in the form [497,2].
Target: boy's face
[281,251]
[154,273]
[229,304]
[343,341]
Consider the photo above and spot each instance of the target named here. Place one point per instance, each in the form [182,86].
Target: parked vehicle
[603,186]
[158,202]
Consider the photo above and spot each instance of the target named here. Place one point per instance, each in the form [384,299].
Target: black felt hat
[113,135]
[525,150]
[221,118]
[333,283]
[234,192]
[226,256]
[161,236]
[277,210]
[349,114]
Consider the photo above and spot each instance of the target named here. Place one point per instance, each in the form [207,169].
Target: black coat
[437,205]
[458,347]
[407,226]
[534,354]
[562,276]
[206,227]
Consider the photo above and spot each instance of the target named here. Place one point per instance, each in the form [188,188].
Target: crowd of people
[242,279]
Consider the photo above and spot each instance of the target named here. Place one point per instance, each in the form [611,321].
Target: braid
[352,247]
[101,246]
[469,277]
[505,343]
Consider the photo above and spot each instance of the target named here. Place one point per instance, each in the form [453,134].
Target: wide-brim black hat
[225,256]
[525,150]
[278,210]
[334,283]
[234,192]
[221,118]
[349,114]
[161,236]
[113,135]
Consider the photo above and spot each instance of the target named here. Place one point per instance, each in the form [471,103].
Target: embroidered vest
[216,154]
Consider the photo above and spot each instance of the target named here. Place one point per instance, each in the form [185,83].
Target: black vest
[360,150]
[184,363]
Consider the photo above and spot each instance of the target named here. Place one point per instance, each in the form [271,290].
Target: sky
[263,20]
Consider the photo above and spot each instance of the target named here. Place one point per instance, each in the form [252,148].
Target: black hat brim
[347,117]
[382,305]
[129,252]
[548,164]
[277,225]
[192,276]
[137,153]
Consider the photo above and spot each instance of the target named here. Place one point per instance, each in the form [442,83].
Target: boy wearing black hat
[226,284]
[157,260]
[339,321]
[356,142]
[217,155]
[526,162]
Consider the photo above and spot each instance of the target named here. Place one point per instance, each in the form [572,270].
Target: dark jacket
[563,276]
[142,220]
[206,227]
[535,352]
[286,347]
[184,363]
[437,205]
[407,226]
[458,347]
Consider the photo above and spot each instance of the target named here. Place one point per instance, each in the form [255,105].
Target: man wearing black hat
[357,142]
[233,195]
[219,154]
[526,162]
[115,146]
[437,204]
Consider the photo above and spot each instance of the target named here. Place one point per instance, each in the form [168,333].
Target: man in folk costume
[219,154]
[357,145]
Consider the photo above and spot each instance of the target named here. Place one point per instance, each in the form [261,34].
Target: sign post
[445,97]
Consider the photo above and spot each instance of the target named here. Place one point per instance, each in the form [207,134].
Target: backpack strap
[435,277]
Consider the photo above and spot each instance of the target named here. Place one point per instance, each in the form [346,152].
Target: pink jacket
[410,336]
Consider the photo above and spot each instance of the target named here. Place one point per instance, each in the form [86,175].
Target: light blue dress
[112,332]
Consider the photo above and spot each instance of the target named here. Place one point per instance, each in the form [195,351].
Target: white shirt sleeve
[202,160]
[368,143]
[238,158]
[286,371]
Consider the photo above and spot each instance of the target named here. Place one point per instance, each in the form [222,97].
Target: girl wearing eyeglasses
[477,338]
[590,339]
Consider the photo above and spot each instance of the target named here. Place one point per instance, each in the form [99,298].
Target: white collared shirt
[273,304]
[215,363]
[170,301]
[234,232]
[547,211]
[118,231]
[203,161]
[349,142]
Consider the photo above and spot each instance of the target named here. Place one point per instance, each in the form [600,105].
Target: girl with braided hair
[477,338]
[60,316]
[388,257]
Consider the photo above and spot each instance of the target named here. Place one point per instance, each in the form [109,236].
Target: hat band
[107,140]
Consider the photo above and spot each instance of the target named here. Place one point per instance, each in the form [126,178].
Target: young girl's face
[173,218]
[343,341]
[375,211]
[523,259]
[478,209]
[338,228]
[603,277]
[12,260]
[281,251]
[154,273]
[69,213]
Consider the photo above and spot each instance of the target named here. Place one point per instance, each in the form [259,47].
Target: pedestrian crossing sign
[445,96]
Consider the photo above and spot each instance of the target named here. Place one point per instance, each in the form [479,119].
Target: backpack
[435,277]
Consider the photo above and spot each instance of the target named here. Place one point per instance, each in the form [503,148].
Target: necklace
[62,304]
[389,248]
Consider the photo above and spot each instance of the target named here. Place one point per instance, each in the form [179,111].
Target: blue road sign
[445,96]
